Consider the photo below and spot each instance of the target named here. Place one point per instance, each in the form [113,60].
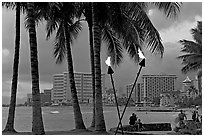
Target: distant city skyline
[171,31]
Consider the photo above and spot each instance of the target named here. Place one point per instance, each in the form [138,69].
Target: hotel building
[150,87]
[83,83]
[58,88]
[138,92]
[154,85]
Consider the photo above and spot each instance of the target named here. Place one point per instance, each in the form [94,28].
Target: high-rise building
[83,83]
[137,93]
[58,88]
[128,90]
[154,85]
[48,91]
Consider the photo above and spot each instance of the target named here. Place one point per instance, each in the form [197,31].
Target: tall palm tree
[112,43]
[37,122]
[61,18]
[11,115]
[88,15]
[193,57]
[132,25]
[99,117]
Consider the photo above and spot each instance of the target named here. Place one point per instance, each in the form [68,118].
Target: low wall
[150,127]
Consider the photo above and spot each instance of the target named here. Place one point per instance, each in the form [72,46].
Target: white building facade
[154,85]
[83,83]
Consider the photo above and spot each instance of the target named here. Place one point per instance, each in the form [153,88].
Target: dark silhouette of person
[197,117]
[139,123]
[133,119]
[194,116]
[181,118]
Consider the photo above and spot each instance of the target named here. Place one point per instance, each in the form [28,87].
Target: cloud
[179,31]
[150,12]
[5,55]
[188,11]
[5,52]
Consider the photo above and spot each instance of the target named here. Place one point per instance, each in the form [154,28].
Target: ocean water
[64,120]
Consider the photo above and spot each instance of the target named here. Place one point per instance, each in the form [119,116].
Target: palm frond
[12,5]
[152,37]
[74,30]
[191,58]
[190,47]
[114,47]
[60,17]
[41,11]
[9,5]
[197,33]
[60,45]
[191,67]
[170,9]
[51,26]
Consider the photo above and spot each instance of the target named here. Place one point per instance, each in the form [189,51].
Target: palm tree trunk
[11,115]
[37,123]
[89,20]
[79,124]
[99,117]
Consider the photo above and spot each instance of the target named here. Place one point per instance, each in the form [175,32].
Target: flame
[141,55]
[108,62]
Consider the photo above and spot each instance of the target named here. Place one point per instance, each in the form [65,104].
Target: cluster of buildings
[163,88]
[61,92]
[144,93]
[151,87]
[44,97]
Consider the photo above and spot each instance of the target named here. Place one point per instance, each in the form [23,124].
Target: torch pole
[142,64]
[110,71]
[116,102]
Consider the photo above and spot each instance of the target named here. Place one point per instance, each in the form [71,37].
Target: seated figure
[132,119]
[139,123]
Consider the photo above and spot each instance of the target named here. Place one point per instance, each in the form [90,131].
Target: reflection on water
[64,120]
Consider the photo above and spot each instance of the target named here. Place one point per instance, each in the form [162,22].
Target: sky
[171,31]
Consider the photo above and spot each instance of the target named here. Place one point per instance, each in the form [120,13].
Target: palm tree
[193,59]
[132,25]
[11,115]
[37,123]
[88,15]
[193,91]
[112,43]
[61,19]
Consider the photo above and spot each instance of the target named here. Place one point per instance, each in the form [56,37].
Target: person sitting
[139,123]
[133,119]
[181,118]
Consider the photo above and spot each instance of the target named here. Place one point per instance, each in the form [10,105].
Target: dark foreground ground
[70,132]
[89,132]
